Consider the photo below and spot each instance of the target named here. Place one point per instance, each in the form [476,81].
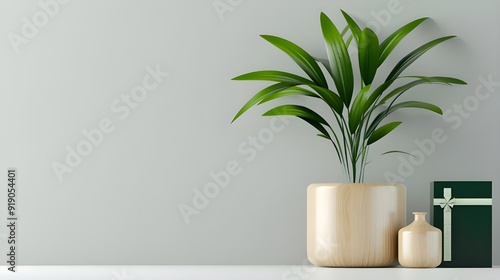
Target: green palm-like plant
[358,120]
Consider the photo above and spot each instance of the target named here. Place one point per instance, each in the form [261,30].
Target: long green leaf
[274,76]
[355,30]
[326,64]
[325,135]
[340,62]
[308,116]
[330,98]
[439,79]
[301,57]
[384,86]
[393,40]
[397,152]
[382,131]
[400,90]
[377,92]
[291,91]
[358,108]
[297,111]
[414,55]
[407,104]
[415,104]
[318,126]
[261,95]
[368,54]
[344,31]
[421,80]
[348,41]
[376,121]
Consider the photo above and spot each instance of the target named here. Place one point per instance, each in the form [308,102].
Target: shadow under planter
[354,224]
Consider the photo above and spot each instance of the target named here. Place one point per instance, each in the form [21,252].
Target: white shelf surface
[243,272]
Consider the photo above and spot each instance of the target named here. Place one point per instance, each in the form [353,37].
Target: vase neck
[419,216]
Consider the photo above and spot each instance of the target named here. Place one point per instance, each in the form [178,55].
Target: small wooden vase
[419,244]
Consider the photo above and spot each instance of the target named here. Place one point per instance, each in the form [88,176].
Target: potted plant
[350,224]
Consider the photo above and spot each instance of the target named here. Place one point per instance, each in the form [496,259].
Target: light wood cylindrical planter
[420,243]
[354,225]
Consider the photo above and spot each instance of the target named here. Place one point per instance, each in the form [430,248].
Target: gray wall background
[120,204]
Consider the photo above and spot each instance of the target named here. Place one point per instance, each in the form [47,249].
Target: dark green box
[462,211]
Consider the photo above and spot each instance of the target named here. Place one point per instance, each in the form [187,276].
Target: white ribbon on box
[447,204]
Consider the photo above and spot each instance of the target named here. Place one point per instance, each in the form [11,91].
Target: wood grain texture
[420,243]
[354,225]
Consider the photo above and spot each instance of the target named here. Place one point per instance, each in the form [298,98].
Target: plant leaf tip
[235,118]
